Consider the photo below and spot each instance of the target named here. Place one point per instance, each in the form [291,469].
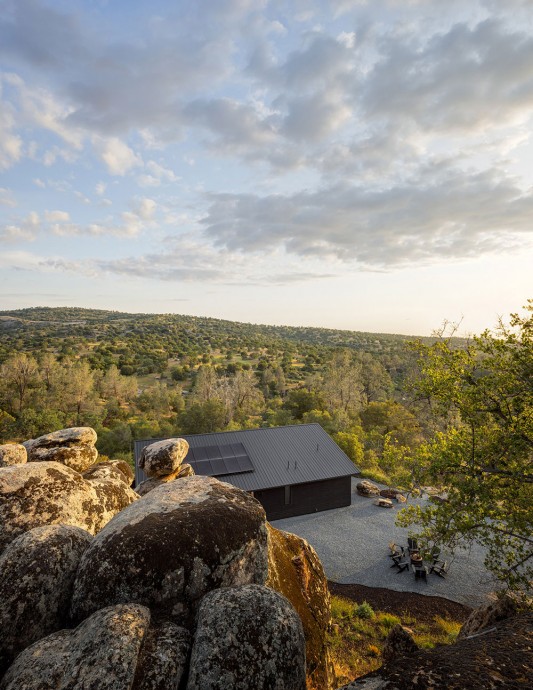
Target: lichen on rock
[37,573]
[247,637]
[173,546]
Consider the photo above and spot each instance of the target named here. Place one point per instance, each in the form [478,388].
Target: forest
[140,376]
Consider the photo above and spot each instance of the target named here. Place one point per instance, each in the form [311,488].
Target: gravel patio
[352,544]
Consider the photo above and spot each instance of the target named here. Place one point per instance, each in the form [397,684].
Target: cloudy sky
[341,163]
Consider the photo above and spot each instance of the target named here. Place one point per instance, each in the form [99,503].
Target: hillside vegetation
[144,375]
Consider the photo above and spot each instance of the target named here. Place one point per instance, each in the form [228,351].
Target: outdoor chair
[412,545]
[440,568]
[435,553]
[401,565]
[421,572]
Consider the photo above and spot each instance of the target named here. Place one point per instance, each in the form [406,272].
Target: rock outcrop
[37,573]
[72,447]
[148,485]
[49,493]
[295,571]
[189,560]
[100,653]
[247,637]
[171,547]
[12,454]
[163,457]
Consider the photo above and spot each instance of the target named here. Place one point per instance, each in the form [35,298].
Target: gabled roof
[280,456]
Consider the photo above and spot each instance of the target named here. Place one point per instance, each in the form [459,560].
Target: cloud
[6,197]
[117,155]
[463,80]
[156,175]
[444,214]
[56,216]
[25,229]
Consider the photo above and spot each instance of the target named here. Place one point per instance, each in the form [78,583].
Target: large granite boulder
[101,653]
[163,659]
[72,447]
[37,571]
[154,482]
[295,571]
[48,493]
[12,454]
[487,616]
[172,546]
[163,457]
[247,637]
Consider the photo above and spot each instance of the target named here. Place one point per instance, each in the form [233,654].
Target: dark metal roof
[281,456]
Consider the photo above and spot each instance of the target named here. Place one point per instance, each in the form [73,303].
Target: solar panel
[218,461]
[198,453]
[219,467]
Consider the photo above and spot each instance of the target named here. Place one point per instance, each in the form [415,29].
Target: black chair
[401,565]
[421,572]
[412,545]
[440,568]
[435,553]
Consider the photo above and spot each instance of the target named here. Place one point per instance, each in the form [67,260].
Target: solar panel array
[217,461]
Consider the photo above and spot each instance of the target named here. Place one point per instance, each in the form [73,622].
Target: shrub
[365,611]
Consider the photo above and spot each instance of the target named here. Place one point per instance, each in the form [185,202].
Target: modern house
[291,470]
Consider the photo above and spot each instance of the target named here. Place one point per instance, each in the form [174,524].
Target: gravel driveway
[352,544]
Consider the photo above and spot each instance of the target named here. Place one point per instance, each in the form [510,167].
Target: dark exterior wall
[306,498]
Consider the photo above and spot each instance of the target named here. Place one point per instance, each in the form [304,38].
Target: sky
[365,165]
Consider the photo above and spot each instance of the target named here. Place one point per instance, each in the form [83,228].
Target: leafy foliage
[484,456]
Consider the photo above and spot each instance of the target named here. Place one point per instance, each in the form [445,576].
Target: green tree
[484,458]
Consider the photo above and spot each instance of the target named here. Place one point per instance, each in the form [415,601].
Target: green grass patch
[356,641]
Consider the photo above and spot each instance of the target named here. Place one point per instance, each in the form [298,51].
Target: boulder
[74,436]
[486,616]
[163,457]
[113,469]
[48,493]
[163,659]
[398,643]
[366,488]
[78,458]
[100,653]
[247,637]
[170,548]
[295,571]
[12,454]
[37,574]
[154,482]
[72,447]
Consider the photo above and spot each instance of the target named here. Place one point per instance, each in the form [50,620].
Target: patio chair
[440,568]
[421,572]
[412,545]
[401,565]
[435,553]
